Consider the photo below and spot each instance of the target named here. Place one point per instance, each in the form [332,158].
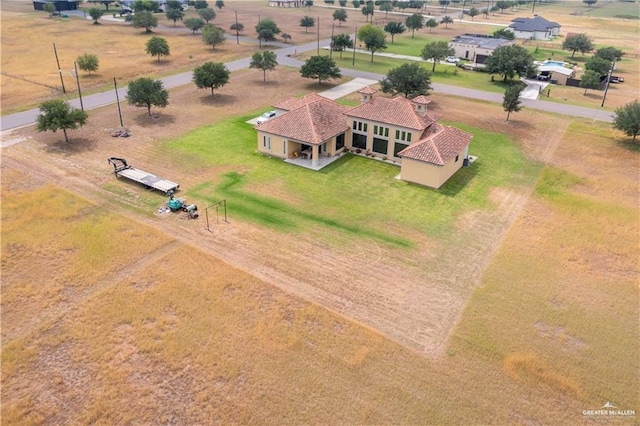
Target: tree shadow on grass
[628,144]
[76,145]
[218,99]
[157,119]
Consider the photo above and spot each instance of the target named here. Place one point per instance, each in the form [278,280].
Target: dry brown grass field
[112,314]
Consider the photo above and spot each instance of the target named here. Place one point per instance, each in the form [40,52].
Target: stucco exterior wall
[429,174]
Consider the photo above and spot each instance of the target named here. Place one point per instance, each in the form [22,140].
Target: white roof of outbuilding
[555,68]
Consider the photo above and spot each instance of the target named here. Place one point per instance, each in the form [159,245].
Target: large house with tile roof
[314,131]
[536,28]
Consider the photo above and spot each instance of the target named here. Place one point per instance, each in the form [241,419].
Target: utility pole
[237,32]
[606,88]
[355,40]
[115,85]
[59,69]
[333,25]
[533,9]
[75,71]
[318,36]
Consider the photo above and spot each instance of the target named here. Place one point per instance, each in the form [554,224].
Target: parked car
[266,116]
[452,59]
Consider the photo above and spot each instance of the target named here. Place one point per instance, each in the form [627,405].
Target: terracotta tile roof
[440,145]
[292,103]
[313,122]
[422,99]
[368,90]
[398,111]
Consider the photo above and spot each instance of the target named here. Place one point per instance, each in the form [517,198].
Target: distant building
[61,5]
[536,28]
[477,47]
[287,3]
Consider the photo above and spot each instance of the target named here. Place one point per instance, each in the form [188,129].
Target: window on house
[284,147]
[457,158]
[403,136]
[359,141]
[397,147]
[359,126]
[381,131]
[380,145]
[339,141]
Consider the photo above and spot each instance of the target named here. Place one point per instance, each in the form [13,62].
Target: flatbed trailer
[122,169]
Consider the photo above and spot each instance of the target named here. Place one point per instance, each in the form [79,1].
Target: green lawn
[403,44]
[343,195]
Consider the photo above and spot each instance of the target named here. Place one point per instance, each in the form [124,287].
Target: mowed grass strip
[354,195]
[558,306]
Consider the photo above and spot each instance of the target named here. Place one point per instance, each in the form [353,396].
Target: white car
[266,116]
[452,59]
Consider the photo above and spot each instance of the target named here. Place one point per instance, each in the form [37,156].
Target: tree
[590,80]
[590,3]
[431,23]
[356,4]
[49,8]
[157,46]
[194,24]
[342,3]
[473,12]
[373,38]
[219,4]
[306,22]
[610,53]
[87,62]
[173,4]
[504,33]
[502,5]
[286,37]
[144,19]
[267,24]
[394,28]
[106,3]
[446,20]
[414,22]
[266,36]
[265,61]
[145,6]
[146,92]
[509,61]
[340,15]
[366,11]
[386,7]
[213,35]
[308,3]
[408,79]
[437,51]
[237,27]
[95,14]
[341,42]
[175,15]
[58,115]
[207,14]
[200,4]
[320,67]
[578,43]
[627,119]
[511,102]
[598,65]
[211,75]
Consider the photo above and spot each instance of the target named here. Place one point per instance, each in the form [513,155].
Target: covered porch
[313,165]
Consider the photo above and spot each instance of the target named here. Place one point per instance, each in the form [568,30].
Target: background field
[508,297]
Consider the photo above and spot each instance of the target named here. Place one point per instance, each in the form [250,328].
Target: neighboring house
[556,74]
[287,3]
[536,28]
[61,5]
[476,47]
[313,131]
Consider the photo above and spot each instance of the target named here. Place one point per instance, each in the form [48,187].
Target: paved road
[284,52]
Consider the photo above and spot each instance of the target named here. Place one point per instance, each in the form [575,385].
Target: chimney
[420,105]
[367,94]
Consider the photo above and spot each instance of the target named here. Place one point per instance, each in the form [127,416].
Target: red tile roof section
[292,103]
[367,90]
[312,123]
[438,147]
[398,111]
[422,99]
